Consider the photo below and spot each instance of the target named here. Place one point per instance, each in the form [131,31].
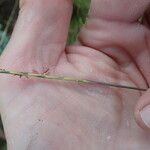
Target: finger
[142,111]
[112,29]
[128,10]
[41,32]
[109,23]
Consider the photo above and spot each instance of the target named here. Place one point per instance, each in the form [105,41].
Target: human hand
[112,47]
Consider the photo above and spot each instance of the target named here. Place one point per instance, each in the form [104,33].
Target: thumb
[142,111]
[40,34]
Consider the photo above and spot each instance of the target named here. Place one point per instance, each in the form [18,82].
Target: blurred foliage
[6,21]
[5,10]
[80,11]
[5,38]
[2,145]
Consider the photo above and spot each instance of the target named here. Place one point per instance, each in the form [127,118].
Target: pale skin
[50,115]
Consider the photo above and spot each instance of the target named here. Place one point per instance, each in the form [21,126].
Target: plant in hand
[112,46]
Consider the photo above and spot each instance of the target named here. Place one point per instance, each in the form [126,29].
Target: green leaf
[80,12]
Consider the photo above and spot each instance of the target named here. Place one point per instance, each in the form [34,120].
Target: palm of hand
[58,115]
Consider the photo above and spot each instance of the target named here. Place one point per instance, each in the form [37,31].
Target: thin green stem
[63,78]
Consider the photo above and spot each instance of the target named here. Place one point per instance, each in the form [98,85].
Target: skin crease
[55,115]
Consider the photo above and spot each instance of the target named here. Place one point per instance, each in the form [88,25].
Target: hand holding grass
[112,47]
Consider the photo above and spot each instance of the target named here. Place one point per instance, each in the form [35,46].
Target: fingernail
[145,115]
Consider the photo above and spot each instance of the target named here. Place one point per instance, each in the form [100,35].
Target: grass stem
[69,79]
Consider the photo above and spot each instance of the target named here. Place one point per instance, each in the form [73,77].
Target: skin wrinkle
[138,66]
[85,42]
[94,54]
[123,52]
[144,78]
[124,65]
[69,61]
[97,63]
